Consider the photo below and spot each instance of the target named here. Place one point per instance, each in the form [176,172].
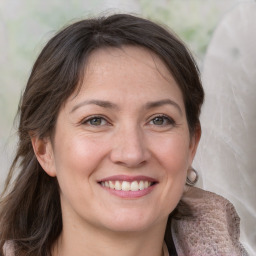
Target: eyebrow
[155,104]
[110,105]
[101,103]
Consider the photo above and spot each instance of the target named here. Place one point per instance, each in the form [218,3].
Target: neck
[91,242]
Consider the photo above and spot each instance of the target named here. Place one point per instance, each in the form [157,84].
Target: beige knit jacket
[212,231]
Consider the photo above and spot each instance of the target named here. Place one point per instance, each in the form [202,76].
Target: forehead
[128,57]
[131,70]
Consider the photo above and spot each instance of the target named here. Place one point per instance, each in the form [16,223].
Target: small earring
[192,177]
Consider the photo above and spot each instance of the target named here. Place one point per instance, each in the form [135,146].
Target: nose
[129,148]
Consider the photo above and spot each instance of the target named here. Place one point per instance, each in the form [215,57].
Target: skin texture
[126,138]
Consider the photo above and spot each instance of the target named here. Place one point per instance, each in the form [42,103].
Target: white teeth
[134,186]
[126,185]
[141,185]
[111,184]
[118,185]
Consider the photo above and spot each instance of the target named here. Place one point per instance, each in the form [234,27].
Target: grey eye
[158,120]
[96,121]
[162,120]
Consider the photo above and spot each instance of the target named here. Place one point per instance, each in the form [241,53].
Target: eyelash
[165,119]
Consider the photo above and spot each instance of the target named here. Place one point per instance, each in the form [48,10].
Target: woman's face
[122,147]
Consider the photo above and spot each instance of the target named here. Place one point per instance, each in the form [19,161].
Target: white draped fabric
[227,151]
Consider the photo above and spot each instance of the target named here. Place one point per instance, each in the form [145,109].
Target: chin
[133,223]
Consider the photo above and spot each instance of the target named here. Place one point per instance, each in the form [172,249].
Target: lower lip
[130,194]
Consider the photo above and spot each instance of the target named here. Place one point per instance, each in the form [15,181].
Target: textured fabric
[213,230]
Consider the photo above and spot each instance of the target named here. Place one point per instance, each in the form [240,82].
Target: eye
[161,121]
[95,121]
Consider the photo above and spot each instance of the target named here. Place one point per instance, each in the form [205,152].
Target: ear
[44,153]
[194,141]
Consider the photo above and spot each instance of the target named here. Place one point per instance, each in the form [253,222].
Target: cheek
[174,157]
[76,158]
[173,152]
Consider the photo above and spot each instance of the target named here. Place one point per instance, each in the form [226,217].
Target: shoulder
[208,204]
[213,228]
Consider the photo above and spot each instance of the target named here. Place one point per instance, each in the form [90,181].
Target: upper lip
[128,178]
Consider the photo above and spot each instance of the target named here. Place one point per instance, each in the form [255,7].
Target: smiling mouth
[126,185]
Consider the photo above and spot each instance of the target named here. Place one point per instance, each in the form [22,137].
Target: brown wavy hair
[30,210]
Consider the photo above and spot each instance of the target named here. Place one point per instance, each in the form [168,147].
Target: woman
[109,126]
